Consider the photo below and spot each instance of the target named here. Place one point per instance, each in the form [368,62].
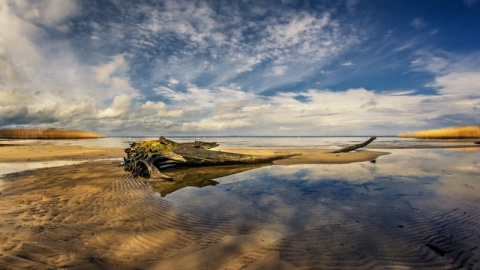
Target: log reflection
[198,176]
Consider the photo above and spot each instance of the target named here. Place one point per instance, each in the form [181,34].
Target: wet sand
[95,216]
[21,152]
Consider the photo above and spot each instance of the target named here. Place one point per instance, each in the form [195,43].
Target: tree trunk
[146,158]
[356,146]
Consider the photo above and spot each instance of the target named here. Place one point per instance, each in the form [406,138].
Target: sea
[411,209]
[261,142]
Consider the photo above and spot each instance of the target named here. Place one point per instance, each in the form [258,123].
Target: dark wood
[146,159]
[356,146]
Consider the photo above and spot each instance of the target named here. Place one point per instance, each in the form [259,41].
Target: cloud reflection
[408,206]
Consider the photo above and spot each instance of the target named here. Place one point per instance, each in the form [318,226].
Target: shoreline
[51,152]
[16,151]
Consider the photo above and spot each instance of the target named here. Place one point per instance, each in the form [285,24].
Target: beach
[93,215]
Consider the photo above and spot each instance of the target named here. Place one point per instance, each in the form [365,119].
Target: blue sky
[352,67]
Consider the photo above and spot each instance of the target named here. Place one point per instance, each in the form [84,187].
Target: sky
[222,67]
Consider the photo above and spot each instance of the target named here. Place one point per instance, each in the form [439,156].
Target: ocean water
[261,142]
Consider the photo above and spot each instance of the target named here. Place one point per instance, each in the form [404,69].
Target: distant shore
[46,134]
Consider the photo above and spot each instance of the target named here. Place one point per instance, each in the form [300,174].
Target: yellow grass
[463,132]
[46,134]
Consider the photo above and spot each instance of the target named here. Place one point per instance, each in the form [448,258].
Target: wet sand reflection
[414,209]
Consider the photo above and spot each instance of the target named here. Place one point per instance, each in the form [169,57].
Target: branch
[356,146]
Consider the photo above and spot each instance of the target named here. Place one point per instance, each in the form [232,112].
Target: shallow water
[13,167]
[413,208]
[260,142]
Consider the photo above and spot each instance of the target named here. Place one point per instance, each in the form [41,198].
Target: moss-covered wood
[147,158]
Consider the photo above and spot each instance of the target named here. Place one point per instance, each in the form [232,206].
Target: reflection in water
[414,208]
[197,176]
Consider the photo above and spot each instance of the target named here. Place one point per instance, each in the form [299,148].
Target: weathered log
[146,158]
[356,146]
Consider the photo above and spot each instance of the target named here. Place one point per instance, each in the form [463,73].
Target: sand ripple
[94,216]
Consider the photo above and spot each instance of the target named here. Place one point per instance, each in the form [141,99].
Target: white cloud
[48,12]
[45,78]
[433,64]
[399,93]
[297,28]
[321,112]
[173,81]
[464,83]
[103,73]
[161,110]
[279,70]
[119,107]
[214,125]
[224,45]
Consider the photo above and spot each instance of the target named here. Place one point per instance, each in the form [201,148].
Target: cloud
[161,110]
[214,124]
[46,78]
[464,84]
[352,4]
[210,66]
[320,112]
[218,47]
[13,115]
[119,106]
[114,75]
[103,73]
[418,23]
[470,3]
[47,12]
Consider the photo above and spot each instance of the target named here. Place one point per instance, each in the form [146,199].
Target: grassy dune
[46,134]
[463,132]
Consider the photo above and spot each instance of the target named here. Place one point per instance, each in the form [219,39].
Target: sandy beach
[87,216]
[21,152]
[95,216]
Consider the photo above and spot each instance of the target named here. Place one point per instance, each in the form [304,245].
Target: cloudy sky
[222,67]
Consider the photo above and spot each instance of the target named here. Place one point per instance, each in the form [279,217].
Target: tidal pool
[411,209]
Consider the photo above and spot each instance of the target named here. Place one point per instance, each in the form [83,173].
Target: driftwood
[146,158]
[356,146]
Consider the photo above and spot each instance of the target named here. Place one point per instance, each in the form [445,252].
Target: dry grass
[463,132]
[46,134]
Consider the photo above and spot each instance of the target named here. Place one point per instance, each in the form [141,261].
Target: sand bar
[18,152]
